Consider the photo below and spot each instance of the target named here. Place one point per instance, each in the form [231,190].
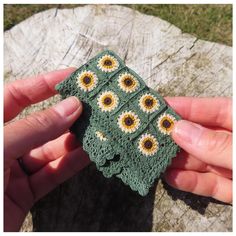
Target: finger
[206,111]
[211,147]
[13,215]
[57,171]
[205,184]
[23,135]
[50,151]
[18,188]
[186,161]
[22,93]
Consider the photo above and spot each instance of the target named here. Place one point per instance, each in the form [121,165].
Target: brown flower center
[107,100]
[166,124]
[87,80]
[128,81]
[107,62]
[149,102]
[129,121]
[148,144]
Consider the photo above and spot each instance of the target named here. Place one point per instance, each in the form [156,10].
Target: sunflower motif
[108,63]
[128,122]
[165,123]
[87,80]
[127,82]
[108,101]
[101,135]
[148,103]
[147,144]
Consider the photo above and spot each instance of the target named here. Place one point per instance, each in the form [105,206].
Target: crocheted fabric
[125,126]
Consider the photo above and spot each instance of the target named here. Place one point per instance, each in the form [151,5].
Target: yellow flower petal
[108,63]
[127,82]
[148,145]
[165,123]
[148,103]
[128,122]
[87,80]
[108,101]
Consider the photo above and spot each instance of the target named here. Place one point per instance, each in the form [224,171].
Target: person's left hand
[42,142]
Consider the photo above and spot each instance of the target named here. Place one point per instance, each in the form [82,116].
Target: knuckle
[41,120]
[217,141]
[192,182]
[224,113]
[52,175]
[20,98]
[48,153]
[214,188]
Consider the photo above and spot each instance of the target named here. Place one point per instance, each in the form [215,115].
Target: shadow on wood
[90,202]
[195,202]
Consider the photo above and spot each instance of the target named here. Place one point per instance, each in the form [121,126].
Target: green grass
[15,13]
[209,22]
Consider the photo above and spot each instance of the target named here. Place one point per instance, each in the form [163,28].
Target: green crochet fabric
[125,126]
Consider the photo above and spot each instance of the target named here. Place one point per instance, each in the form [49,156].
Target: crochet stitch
[125,126]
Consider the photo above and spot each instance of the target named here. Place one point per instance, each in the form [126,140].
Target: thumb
[23,135]
[210,146]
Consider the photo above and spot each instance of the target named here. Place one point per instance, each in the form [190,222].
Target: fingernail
[187,131]
[68,106]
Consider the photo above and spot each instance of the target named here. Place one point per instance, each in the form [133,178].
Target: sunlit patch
[148,145]
[127,82]
[148,103]
[101,135]
[87,80]
[108,101]
[128,122]
[108,63]
[165,123]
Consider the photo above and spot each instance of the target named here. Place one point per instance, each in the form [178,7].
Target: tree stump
[172,62]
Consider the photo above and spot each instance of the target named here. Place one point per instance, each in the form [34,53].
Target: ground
[209,22]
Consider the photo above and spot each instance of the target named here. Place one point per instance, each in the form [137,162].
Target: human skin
[204,166]
[42,140]
[53,155]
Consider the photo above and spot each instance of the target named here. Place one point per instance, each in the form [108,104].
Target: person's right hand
[204,167]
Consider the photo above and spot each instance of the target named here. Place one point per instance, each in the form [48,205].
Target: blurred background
[209,22]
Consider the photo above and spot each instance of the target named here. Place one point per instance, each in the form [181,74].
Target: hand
[204,167]
[49,152]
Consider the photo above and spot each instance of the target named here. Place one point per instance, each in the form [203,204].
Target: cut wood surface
[172,62]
